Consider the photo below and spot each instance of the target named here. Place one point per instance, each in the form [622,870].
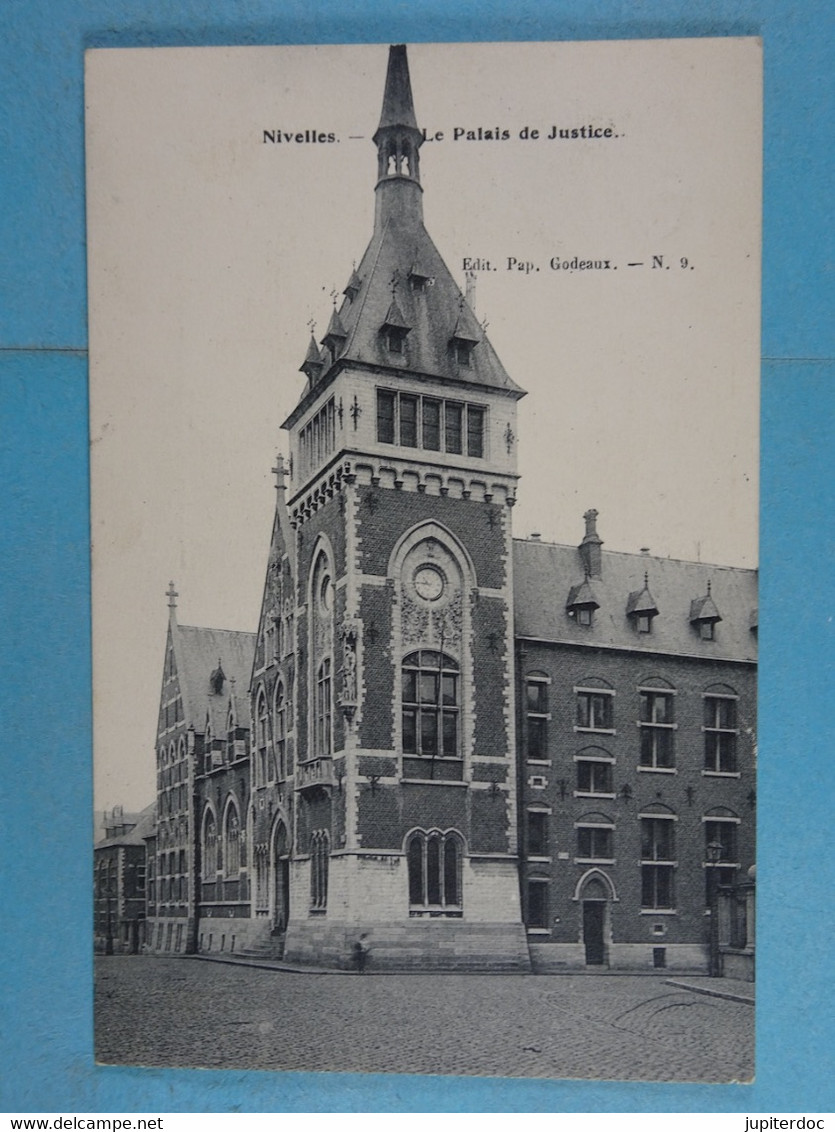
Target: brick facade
[476,753]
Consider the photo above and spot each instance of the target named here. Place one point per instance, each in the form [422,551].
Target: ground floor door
[593,917]
[282,894]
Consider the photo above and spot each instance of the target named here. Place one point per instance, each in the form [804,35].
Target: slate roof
[197,651]
[545,574]
[142,824]
[435,314]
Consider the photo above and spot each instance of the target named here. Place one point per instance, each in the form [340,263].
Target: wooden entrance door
[593,916]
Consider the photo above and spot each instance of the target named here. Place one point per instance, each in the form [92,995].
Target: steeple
[172,596]
[398,140]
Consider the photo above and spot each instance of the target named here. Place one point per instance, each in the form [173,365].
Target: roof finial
[172,596]
[708,587]
[646,579]
[279,472]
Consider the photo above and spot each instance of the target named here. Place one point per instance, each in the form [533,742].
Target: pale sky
[210,251]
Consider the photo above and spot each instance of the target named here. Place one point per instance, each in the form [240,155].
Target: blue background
[45,687]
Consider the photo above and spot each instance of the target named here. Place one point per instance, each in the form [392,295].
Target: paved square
[184,1012]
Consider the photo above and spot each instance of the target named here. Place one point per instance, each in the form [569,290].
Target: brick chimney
[590,546]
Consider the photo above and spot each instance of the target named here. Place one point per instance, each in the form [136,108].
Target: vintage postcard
[424,401]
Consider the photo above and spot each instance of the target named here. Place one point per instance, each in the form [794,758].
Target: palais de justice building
[478,752]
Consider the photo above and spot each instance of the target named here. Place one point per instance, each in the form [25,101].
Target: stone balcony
[315,774]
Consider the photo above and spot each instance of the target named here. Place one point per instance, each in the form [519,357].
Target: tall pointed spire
[398,139]
[398,107]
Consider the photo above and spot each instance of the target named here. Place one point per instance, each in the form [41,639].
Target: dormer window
[395,328]
[465,336]
[216,679]
[582,603]
[418,278]
[395,340]
[641,608]
[353,287]
[704,616]
[336,337]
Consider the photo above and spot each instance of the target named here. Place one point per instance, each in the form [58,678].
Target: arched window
[319,854]
[536,715]
[209,846]
[261,737]
[658,863]
[656,725]
[434,866]
[230,735]
[232,842]
[280,731]
[430,704]
[721,730]
[322,732]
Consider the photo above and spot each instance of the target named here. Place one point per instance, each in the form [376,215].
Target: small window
[723,869]
[643,623]
[462,353]
[385,417]
[537,833]
[594,777]
[594,843]
[408,421]
[595,710]
[584,615]
[707,630]
[475,431]
[453,419]
[431,425]
[396,337]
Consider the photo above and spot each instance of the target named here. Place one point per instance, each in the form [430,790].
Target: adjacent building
[120,881]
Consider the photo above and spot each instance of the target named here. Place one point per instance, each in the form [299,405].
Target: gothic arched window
[209,846]
[232,842]
[430,706]
[434,865]
[319,854]
[280,731]
[261,735]
[322,734]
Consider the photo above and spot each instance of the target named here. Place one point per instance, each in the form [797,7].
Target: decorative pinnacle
[172,596]
[279,472]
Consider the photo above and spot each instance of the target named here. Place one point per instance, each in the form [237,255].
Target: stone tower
[388,617]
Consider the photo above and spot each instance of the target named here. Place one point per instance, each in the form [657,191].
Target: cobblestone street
[184,1012]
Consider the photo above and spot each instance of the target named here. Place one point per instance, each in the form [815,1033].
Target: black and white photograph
[424,400]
